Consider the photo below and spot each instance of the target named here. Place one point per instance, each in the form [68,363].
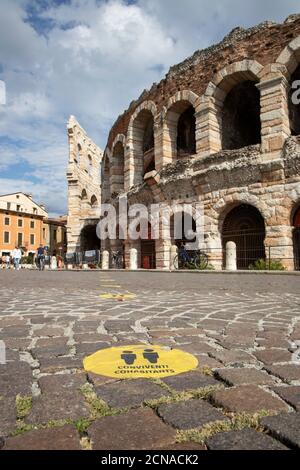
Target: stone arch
[141,142]
[233,98]
[244,224]
[118,164]
[290,56]
[179,126]
[84,196]
[290,60]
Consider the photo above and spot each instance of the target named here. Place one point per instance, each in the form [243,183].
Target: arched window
[143,146]
[90,165]
[94,202]
[186,133]
[241,124]
[84,195]
[106,192]
[78,154]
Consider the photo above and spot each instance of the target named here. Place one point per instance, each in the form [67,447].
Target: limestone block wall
[84,182]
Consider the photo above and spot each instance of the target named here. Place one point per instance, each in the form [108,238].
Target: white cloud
[96,58]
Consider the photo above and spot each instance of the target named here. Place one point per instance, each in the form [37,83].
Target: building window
[20,239]
[18,207]
[44,233]
[20,223]
[32,224]
[55,235]
[6,237]
[8,206]
[35,210]
[6,221]
[32,239]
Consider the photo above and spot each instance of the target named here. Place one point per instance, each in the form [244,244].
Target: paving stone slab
[246,439]
[48,352]
[91,348]
[56,364]
[285,427]
[236,356]
[118,326]
[92,338]
[272,356]
[129,393]
[50,331]
[136,430]
[7,415]
[55,406]
[15,332]
[249,399]
[287,372]
[244,376]
[56,383]
[190,381]
[51,342]
[64,438]
[190,414]
[289,394]
[197,348]
[15,378]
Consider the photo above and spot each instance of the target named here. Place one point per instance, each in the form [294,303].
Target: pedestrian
[41,253]
[7,261]
[17,255]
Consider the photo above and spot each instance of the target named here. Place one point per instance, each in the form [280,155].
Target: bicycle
[191,260]
[117,260]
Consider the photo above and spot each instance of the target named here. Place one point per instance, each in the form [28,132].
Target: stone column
[231,261]
[133,259]
[208,127]
[105,260]
[53,263]
[275,126]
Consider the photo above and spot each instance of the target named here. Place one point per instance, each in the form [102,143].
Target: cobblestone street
[244,330]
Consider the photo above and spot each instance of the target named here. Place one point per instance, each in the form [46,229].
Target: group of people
[15,258]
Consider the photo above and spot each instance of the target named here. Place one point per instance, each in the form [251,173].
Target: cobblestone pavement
[243,329]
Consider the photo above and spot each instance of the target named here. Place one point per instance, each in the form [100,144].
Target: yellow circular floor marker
[142,361]
[118,296]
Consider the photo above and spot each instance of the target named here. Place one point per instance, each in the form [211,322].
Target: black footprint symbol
[129,357]
[151,356]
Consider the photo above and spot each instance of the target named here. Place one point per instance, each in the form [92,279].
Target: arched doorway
[296,238]
[88,239]
[241,124]
[186,133]
[148,251]
[181,224]
[244,225]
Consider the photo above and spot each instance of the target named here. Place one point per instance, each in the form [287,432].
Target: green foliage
[23,406]
[267,265]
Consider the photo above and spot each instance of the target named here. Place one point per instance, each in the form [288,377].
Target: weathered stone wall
[84,185]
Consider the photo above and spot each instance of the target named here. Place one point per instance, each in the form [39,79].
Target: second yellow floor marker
[141,361]
[119,297]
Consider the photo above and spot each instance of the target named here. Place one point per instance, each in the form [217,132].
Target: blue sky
[91,58]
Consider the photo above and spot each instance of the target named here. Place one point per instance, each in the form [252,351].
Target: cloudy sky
[91,58]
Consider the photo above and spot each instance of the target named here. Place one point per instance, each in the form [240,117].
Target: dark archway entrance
[241,124]
[244,225]
[88,239]
[186,133]
[296,239]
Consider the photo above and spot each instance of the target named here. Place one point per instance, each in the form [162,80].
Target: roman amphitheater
[221,129]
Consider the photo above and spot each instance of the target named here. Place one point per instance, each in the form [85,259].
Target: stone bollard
[173,258]
[105,260]
[2,353]
[231,262]
[85,267]
[53,263]
[133,259]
